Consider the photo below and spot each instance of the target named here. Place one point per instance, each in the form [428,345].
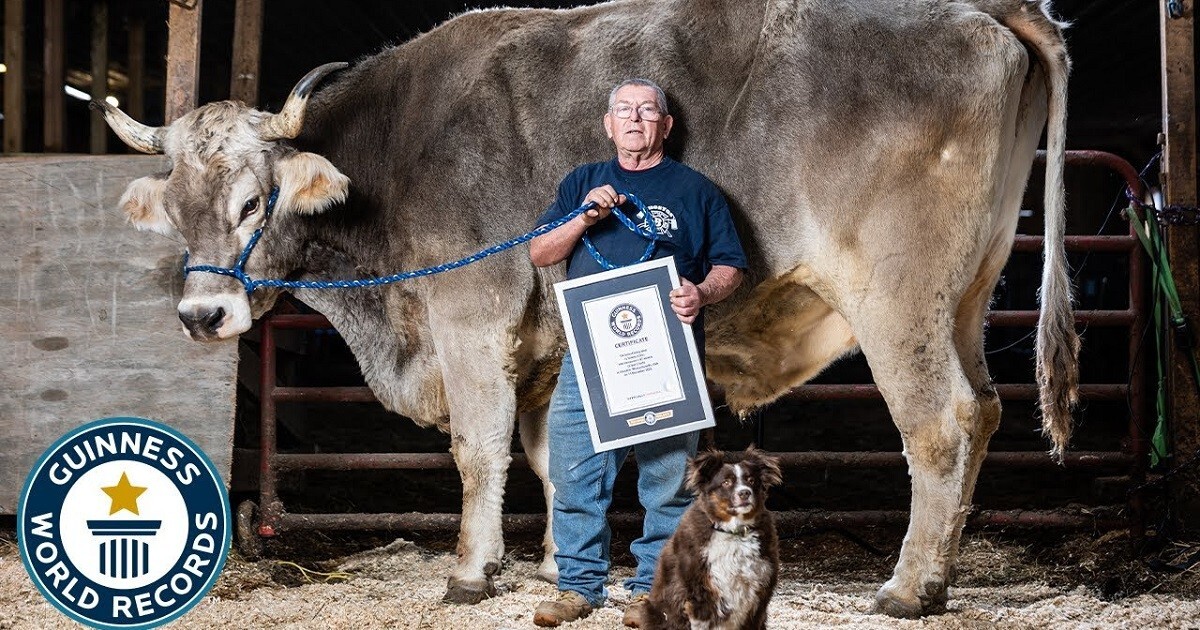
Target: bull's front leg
[482,403]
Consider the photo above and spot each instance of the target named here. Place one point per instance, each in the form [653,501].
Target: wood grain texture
[247,51]
[87,317]
[1179,188]
[183,59]
[14,78]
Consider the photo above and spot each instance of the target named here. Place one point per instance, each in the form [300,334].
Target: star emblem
[124,496]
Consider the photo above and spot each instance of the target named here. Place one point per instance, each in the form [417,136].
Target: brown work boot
[568,607]
[637,613]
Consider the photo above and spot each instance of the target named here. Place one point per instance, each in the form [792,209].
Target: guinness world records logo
[123,523]
[625,320]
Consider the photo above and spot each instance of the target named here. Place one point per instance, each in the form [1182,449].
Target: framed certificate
[638,368]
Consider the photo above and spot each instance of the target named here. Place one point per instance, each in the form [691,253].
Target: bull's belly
[778,336]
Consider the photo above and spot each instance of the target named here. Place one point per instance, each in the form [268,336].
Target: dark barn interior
[1114,106]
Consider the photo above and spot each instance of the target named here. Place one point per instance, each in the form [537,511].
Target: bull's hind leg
[969,342]
[535,439]
[907,338]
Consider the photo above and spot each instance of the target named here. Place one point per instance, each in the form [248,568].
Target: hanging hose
[1169,319]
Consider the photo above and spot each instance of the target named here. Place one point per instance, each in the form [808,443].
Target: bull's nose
[202,321]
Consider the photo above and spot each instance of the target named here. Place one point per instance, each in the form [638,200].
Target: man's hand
[606,198]
[686,301]
[555,246]
[689,298]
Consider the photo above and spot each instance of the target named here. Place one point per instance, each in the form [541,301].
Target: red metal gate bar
[1009,391]
[1077,243]
[1091,318]
[804,459]
[788,520]
[831,391]
[272,516]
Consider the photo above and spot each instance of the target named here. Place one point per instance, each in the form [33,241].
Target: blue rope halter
[238,270]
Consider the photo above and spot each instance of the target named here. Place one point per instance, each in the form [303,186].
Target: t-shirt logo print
[124,523]
[625,320]
[665,223]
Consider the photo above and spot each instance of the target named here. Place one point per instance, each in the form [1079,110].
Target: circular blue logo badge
[625,320]
[123,523]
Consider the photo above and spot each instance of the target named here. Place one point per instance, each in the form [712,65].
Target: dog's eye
[727,483]
[751,481]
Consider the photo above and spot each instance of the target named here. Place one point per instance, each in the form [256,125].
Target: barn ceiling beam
[14,76]
[183,57]
[98,139]
[247,51]
[53,99]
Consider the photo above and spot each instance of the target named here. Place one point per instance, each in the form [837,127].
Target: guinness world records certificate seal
[637,364]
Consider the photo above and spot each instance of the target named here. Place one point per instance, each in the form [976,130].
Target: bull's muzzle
[202,323]
[214,317]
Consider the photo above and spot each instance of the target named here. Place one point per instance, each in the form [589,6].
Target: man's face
[636,134]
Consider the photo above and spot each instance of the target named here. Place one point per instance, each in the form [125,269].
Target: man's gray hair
[660,97]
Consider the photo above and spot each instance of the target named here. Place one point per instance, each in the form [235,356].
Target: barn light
[84,96]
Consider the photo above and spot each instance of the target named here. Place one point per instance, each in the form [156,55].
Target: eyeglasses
[647,111]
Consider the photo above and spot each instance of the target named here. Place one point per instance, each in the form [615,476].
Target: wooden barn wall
[87,317]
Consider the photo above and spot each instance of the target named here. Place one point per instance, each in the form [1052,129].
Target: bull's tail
[1057,342]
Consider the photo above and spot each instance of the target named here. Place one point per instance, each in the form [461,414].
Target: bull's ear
[309,183]
[143,203]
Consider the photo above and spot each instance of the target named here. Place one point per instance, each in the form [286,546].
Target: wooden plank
[14,77]
[247,51]
[135,99]
[183,58]
[99,130]
[54,107]
[1179,187]
[89,327]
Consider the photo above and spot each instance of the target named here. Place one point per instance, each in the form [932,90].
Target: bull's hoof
[936,596]
[468,592]
[892,603]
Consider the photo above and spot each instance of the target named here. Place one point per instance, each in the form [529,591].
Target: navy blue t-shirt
[690,214]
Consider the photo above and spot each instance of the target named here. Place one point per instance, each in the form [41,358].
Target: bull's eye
[249,208]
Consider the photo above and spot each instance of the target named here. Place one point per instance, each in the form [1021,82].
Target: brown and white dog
[720,567]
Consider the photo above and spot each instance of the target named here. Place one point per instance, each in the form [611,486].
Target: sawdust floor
[1006,580]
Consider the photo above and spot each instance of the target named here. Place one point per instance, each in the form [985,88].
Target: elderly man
[693,224]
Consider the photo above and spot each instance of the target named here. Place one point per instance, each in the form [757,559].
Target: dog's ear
[702,468]
[769,472]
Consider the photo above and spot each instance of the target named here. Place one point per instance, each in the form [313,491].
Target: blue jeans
[583,489]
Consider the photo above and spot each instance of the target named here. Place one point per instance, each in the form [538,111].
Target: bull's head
[225,159]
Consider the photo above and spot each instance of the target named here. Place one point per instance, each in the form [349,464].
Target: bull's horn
[144,138]
[287,123]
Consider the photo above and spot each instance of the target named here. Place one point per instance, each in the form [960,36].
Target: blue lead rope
[238,271]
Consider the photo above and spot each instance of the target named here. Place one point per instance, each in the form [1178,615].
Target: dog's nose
[744,494]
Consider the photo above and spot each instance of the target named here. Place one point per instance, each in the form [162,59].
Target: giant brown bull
[876,153]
